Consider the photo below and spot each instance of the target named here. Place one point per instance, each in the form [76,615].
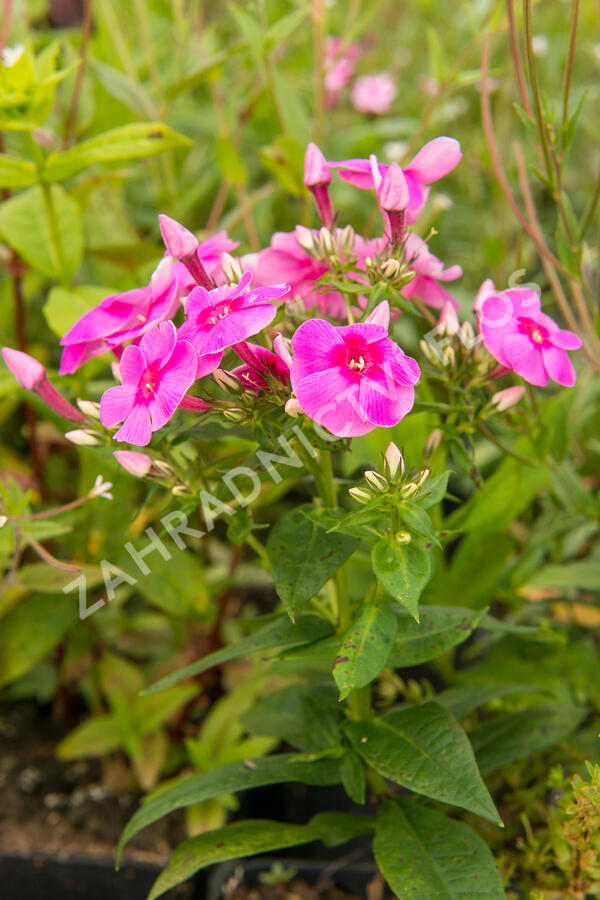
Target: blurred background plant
[203,111]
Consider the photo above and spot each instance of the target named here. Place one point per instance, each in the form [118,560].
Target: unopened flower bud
[404,537]
[393,195]
[292,408]
[316,178]
[179,242]
[179,490]
[82,437]
[422,477]
[360,495]
[234,414]
[408,490]
[449,356]
[162,466]
[89,408]
[393,460]
[427,350]
[138,464]
[503,400]
[348,239]
[376,480]
[326,241]
[227,381]
[306,239]
[390,268]
[467,335]
[449,323]
[432,442]
[231,267]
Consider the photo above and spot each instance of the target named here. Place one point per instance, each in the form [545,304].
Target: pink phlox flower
[373,94]
[486,290]
[156,375]
[521,337]
[434,160]
[31,375]
[340,62]
[430,271]
[351,378]
[225,316]
[120,318]
[260,365]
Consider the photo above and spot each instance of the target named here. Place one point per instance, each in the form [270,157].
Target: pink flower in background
[520,336]
[316,178]
[373,94]
[31,375]
[430,271]
[227,315]
[260,365]
[351,378]
[340,62]
[434,160]
[155,376]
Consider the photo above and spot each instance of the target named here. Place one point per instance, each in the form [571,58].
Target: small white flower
[10,55]
[101,488]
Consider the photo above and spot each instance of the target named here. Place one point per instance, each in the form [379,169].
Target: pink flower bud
[179,242]
[393,193]
[316,178]
[281,348]
[138,464]
[449,323]
[316,170]
[31,375]
[380,315]
[503,400]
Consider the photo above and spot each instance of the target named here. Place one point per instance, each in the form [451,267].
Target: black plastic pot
[353,878]
[46,878]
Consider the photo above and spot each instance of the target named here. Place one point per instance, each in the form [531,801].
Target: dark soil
[67,809]
[298,889]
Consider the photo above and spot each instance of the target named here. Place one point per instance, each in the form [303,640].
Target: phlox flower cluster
[332,358]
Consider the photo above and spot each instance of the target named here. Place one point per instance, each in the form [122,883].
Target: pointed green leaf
[440,629]
[303,558]
[16,173]
[307,719]
[95,737]
[365,648]
[424,749]
[280,633]
[227,780]
[500,741]
[423,854]
[403,570]
[135,141]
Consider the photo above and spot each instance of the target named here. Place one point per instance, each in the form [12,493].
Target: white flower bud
[360,495]
[89,409]
[376,480]
[407,490]
[292,408]
[393,460]
[231,268]
[82,438]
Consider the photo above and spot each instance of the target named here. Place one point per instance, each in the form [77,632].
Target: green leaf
[230,163]
[24,225]
[300,716]
[303,558]
[41,578]
[365,648]
[488,556]
[433,491]
[403,570]
[280,633]
[16,173]
[31,630]
[135,141]
[123,88]
[584,574]
[500,741]
[150,712]
[63,308]
[440,629]
[461,701]
[416,519]
[96,737]
[423,854]
[352,776]
[424,749]
[177,586]
[226,780]
[250,837]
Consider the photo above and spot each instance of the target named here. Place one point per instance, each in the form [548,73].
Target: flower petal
[312,347]
[175,380]
[566,340]
[525,357]
[116,403]
[332,400]
[381,401]
[158,343]
[559,366]
[136,428]
[436,159]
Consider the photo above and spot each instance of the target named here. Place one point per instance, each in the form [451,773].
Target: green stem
[330,498]
[258,548]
